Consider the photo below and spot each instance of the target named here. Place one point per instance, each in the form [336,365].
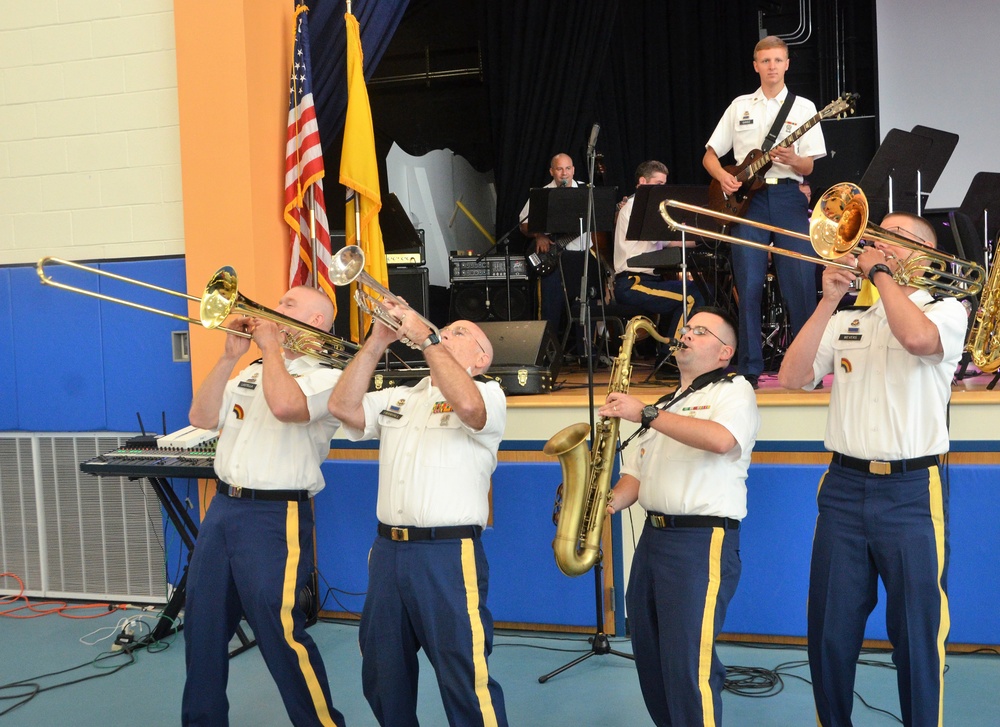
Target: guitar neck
[765,158]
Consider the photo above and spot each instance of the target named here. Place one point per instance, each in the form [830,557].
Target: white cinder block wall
[89,140]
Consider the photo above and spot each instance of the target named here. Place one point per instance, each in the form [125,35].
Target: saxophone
[581,501]
[983,343]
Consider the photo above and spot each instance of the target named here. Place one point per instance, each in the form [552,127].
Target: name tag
[746,122]
[247,385]
[850,336]
[391,414]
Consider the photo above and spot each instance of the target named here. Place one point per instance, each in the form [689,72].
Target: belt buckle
[878,467]
[658,521]
[399,534]
[236,491]
[770,180]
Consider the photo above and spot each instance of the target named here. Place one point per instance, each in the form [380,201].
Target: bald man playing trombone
[254,553]
[883,505]
[427,570]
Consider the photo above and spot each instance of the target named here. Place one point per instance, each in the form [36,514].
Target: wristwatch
[432,340]
[649,413]
[878,268]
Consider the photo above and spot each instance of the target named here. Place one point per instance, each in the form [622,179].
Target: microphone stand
[599,643]
[505,239]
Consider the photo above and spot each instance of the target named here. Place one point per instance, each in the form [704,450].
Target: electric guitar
[545,263]
[750,172]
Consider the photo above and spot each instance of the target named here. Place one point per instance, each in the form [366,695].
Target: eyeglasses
[462,332]
[700,331]
[903,232]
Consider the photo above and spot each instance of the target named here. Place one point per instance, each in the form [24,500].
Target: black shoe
[753,380]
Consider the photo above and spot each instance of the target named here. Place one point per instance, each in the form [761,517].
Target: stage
[528,591]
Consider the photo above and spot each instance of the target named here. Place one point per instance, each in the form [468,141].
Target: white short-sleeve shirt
[434,471]
[885,403]
[745,124]
[676,479]
[258,451]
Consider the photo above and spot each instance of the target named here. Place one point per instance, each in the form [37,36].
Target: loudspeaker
[523,343]
[480,301]
[411,284]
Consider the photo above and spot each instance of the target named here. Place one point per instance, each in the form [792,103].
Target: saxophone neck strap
[667,400]
[706,379]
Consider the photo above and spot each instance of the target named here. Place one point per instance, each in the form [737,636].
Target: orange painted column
[233,61]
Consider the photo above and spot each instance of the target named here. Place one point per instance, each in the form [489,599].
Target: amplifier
[489,268]
[410,254]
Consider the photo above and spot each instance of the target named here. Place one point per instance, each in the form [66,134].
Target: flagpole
[357,230]
[314,242]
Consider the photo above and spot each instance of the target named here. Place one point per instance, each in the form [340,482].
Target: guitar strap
[778,121]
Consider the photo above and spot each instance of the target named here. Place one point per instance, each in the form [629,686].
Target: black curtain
[542,63]
[328,40]
[656,75]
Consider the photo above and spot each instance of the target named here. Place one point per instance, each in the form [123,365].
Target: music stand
[943,144]
[563,211]
[646,223]
[982,205]
[894,167]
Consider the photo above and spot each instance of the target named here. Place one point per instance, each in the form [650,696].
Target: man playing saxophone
[688,470]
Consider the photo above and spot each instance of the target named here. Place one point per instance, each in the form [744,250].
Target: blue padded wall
[57,354]
[8,390]
[139,373]
[776,541]
[345,528]
[525,585]
[973,586]
[74,363]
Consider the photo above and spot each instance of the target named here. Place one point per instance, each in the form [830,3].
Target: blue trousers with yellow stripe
[429,595]
[680,585]
[252,558]
[870,526]
[784,206]
[655,295]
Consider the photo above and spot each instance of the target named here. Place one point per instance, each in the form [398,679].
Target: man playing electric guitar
[570,259]
[748,124]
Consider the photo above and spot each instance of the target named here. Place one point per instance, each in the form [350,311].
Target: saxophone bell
[583,495]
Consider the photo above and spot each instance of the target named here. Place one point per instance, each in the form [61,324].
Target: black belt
[884,467]
[783,180]
[660,521]
[245,493]
[632,274]
[455,532]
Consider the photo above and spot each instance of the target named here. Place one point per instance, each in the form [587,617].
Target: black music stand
[894,168]
[943,145]
[982,205]
[563,211]
[646,223]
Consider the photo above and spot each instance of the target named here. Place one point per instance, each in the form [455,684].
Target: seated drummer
[641,287]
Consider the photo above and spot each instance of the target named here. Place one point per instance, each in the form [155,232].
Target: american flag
[305,205]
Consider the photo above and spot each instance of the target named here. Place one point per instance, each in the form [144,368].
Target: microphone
[563,182]
[594,131]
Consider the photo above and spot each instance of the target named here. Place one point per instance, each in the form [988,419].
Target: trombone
[220,299]
[348,266]
[838,226]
